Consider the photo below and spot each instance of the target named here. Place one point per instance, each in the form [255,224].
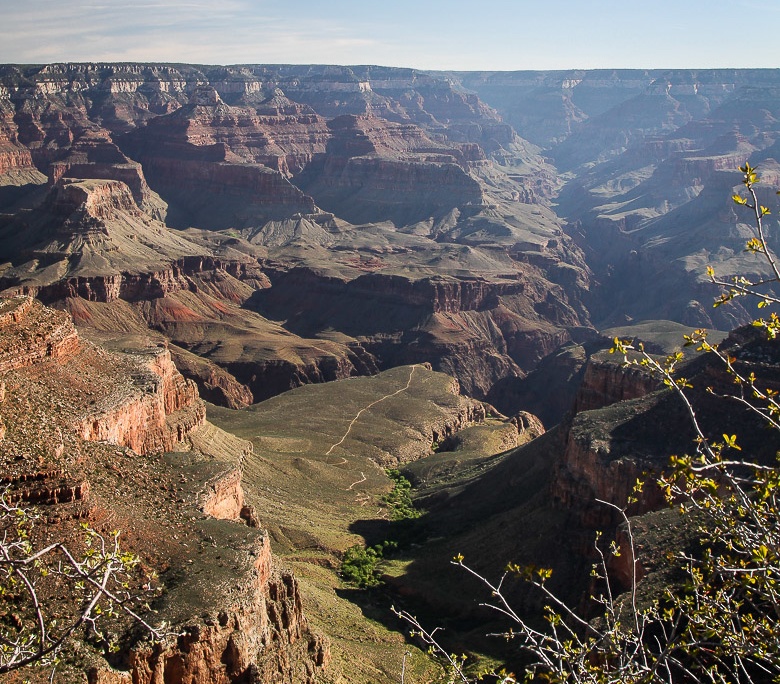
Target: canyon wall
[603,457]
[84,431]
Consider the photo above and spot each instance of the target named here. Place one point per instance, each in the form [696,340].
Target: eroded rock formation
[257,151]
[85,432]
[260,636]
[606,381]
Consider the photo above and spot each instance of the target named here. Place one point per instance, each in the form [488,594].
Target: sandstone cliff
[84,433]
[258,634]
[627,425]
[606,381]
[604,457]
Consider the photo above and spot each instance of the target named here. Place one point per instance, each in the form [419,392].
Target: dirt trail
[366,408]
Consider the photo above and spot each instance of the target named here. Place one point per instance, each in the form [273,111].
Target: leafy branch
[97,581]
[722,622]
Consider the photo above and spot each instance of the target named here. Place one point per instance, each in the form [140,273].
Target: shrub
[359,564]
[399,500]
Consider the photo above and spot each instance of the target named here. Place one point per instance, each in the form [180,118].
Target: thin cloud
[440,34]
[184,30]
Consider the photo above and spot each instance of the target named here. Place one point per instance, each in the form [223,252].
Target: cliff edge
[119,440]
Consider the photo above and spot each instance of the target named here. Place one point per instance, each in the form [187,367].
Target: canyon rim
[236,299]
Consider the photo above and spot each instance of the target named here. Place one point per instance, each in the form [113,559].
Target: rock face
[155,417]
[224,498]
[148,411]
[223,165]
[214,384]
[606,382]
[375,170]
[627,425]
[477,330]
[603,457]
[333,222]
[84,432]
[16,164]
[95,230]
[263,637]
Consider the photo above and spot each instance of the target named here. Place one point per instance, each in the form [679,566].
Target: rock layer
[85,429]
[154,415]
[262,637]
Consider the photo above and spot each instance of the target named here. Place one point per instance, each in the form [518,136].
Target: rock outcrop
[154,414]
[261,636]
[607,381]
[85,432]
[602,458]
[32,334]
[88,232]
[214,383]
[627,425]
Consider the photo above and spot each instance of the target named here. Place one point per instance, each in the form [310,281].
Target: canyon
[360,269]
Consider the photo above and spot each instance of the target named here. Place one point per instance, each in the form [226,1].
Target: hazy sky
[426,34]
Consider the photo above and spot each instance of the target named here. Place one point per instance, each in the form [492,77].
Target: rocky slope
[88,248]
[84,433]
[288,159]
[652,158]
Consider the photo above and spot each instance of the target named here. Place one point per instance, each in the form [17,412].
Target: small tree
[722,623]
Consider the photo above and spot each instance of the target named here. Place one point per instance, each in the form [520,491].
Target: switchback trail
[366,408]
[362,479]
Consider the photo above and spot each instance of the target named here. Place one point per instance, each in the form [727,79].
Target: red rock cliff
[601,461]
[151,410]
[153,414]
[606,382]
[29,333]
[233,615]
[259,636]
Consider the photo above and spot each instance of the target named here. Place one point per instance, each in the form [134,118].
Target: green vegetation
[359,564]
[399,501]
[719,621]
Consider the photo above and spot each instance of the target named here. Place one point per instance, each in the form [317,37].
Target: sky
[424,34]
